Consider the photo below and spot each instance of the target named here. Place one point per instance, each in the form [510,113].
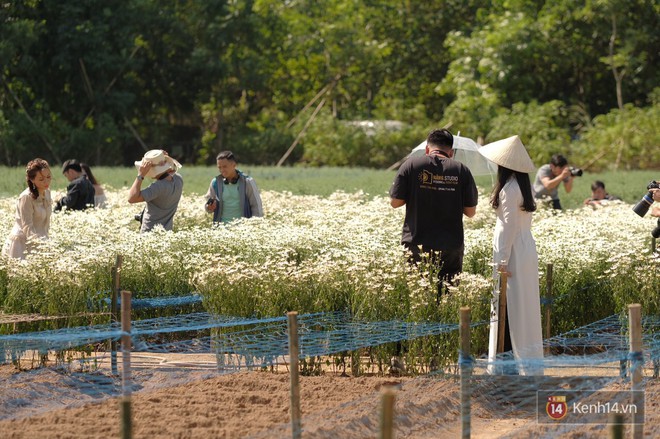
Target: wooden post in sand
[387,414]
[465,362]
[501,323]
[636,366]
[293,367]
[616,426]
[116,290]
[126,424]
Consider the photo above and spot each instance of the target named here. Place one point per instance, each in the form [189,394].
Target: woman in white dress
[33,209]
[514,253]
[100,199]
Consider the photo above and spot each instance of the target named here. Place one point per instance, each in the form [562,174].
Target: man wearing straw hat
[514,253]
[163,195]
[437,192]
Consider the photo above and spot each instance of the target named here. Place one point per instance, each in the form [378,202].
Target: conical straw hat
[510,153]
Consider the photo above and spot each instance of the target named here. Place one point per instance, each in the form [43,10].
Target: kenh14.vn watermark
[589,406]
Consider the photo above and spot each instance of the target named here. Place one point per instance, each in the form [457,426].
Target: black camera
[138,216]
[656,232]
[645,203]
[576,172]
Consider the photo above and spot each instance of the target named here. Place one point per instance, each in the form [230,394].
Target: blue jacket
[248,194]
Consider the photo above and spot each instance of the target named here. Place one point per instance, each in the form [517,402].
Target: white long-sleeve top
[32,221]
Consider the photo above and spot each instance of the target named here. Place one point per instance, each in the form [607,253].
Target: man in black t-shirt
[437,191]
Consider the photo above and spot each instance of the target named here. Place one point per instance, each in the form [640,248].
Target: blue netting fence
[204,345]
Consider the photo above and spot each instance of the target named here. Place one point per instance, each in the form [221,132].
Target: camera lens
[643,205]
[576,172]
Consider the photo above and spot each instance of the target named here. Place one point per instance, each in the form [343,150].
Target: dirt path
[256,405]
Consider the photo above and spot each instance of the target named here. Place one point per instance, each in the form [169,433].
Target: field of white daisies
[316,254]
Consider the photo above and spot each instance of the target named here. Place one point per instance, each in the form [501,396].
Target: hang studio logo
[556,407]
[426,177]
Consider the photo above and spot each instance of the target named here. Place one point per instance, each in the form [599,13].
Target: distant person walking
[437,192]
[514,253]
[232,194]
[100,198]
[33,210]
[163,195]
[79,192]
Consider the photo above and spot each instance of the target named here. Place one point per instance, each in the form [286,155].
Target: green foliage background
[102,81]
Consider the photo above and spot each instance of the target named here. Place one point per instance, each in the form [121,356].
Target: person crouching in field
[33,210]
[79,192]
[232,194]
[163,195]
[599,196]
[514,254]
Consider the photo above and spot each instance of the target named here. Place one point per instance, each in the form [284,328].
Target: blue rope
[159,302]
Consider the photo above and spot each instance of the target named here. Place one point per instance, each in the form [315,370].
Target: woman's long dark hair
[31,170]
[503,175]
[88,172]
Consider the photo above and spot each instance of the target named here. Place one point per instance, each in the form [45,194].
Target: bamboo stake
[126,424]
[218,348]
[300,134]
[387,414]
[548,304]
[308,104]
[616,426]
[135,134]
[465,362]
[295,382]
[501,324]
[116,290]
[635,322]
[110,84]
[328,86]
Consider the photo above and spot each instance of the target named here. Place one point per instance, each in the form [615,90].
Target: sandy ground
[256,405]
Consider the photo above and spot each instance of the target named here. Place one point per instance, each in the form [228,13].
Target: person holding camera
[656,197]
[163,195]
[232,194]
[550,176]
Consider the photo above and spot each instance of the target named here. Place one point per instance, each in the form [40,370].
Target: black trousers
[449,263]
